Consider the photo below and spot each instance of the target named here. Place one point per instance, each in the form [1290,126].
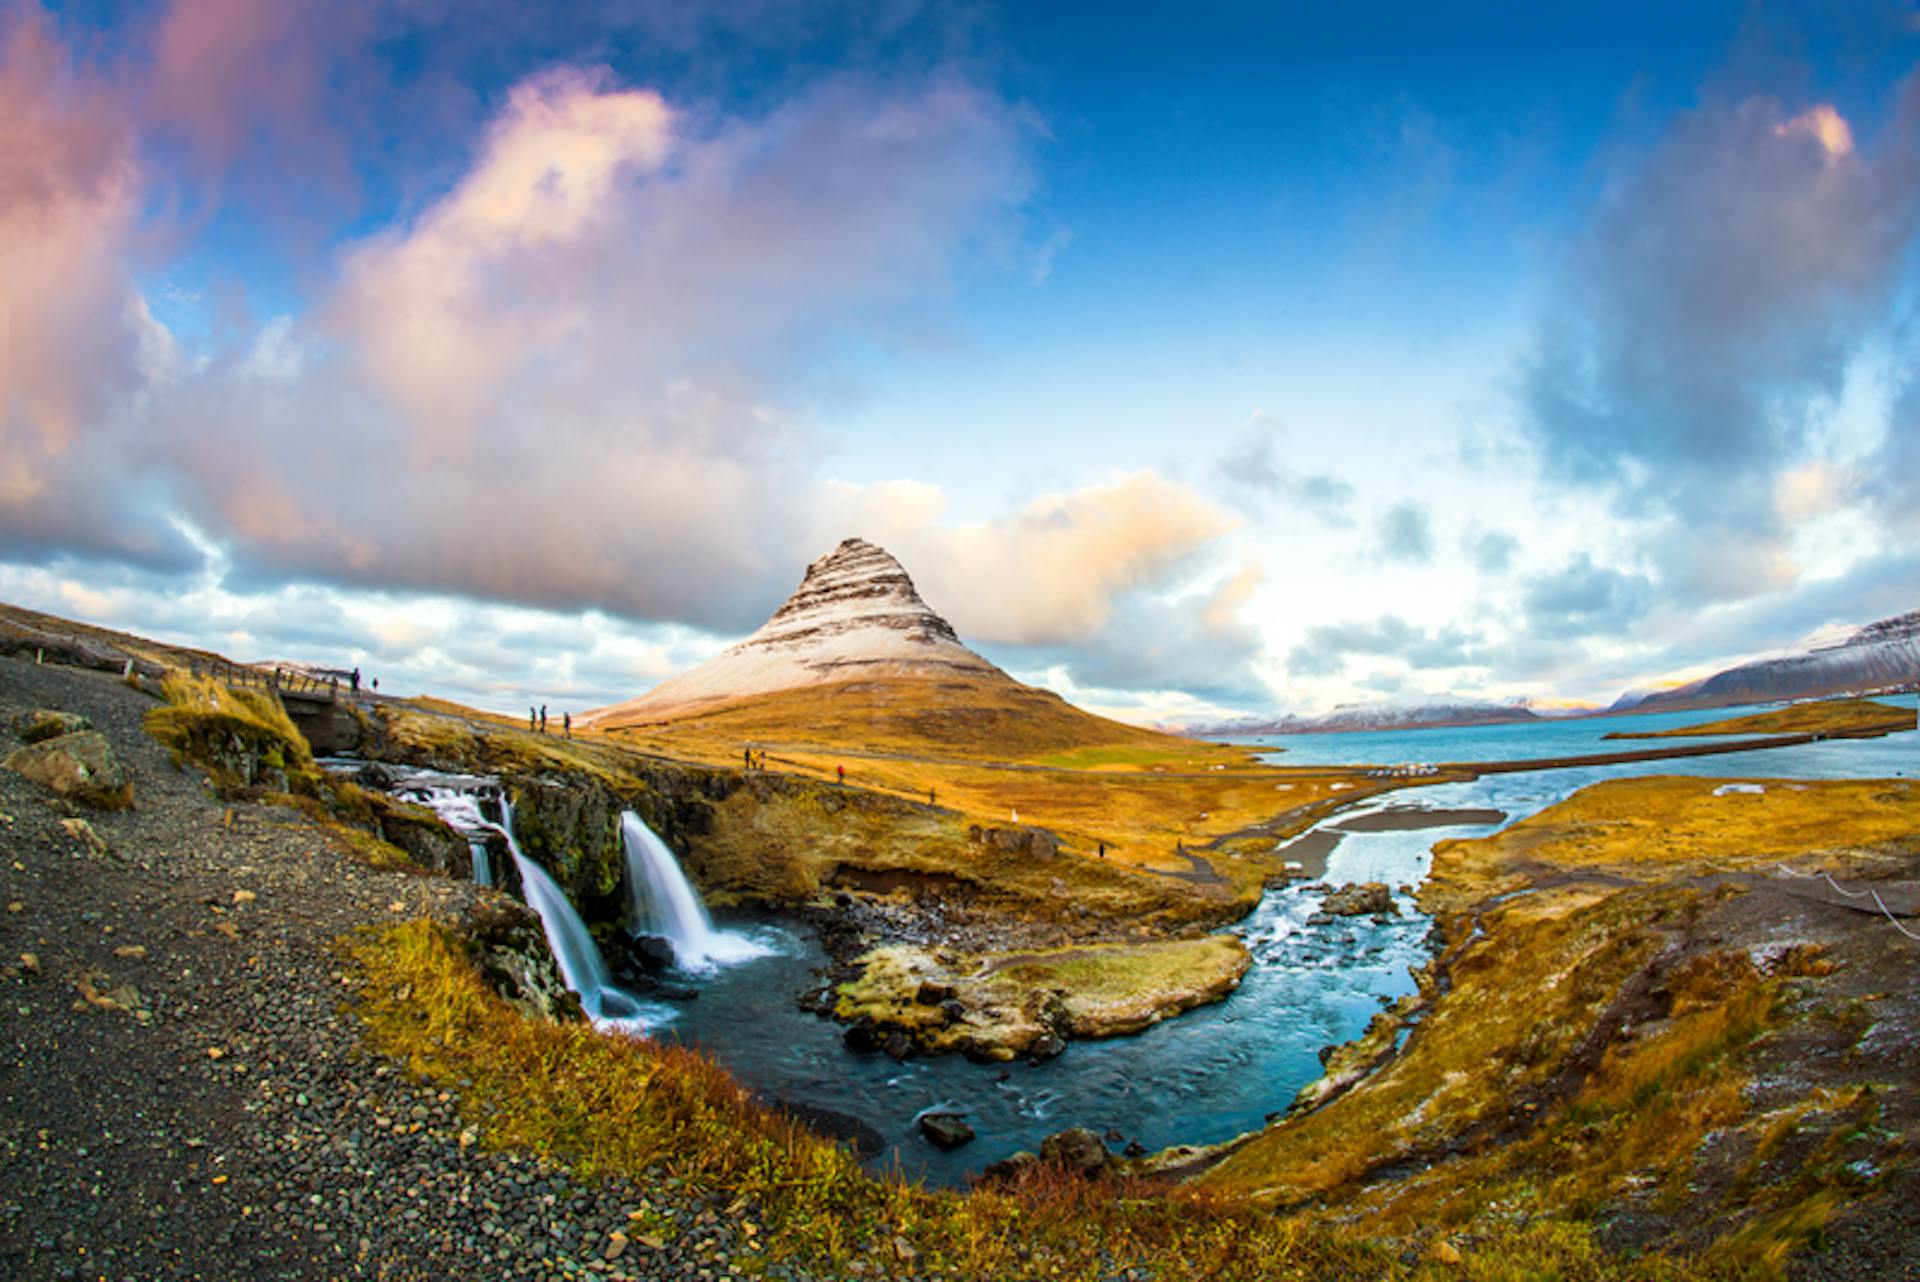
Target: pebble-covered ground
[182,1091]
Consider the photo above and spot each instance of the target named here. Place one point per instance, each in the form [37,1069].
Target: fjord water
[1219,1071]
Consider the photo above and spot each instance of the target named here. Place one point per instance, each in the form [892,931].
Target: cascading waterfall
[581,965]
[660,901]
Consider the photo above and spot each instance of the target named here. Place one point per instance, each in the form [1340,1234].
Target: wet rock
[1077,1151]
[1010,1168]
[862,1038]
[651,952]
[933,993]
[79,767]
[945,1130]
[898,1045]
[510,947]
[1373,898]
[48,723]
[1044,1047]
[1135,1150]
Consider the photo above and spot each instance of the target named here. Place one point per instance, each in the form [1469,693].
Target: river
[1218,1071]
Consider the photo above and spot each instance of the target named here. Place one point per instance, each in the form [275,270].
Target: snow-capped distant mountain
[1880,656]
[1404,712]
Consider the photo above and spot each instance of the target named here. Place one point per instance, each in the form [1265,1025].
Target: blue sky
[1261,357]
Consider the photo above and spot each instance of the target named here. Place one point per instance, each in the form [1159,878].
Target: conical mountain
[855,616]
[855,658]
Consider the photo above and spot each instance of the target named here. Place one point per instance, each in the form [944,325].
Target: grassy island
[1856,718]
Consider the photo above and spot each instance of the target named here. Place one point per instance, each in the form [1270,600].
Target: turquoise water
[1216,1072]
[1527,740]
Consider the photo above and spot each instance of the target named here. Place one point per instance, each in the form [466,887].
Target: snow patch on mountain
[856,615]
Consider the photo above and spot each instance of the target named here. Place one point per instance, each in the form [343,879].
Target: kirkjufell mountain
[856,654]
[855,615]
[1880,656]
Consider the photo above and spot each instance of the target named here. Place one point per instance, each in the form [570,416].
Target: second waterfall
[660,901]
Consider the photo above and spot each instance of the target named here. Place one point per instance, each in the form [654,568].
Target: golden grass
[1669,827]
[1829,717]
[602,1104]
[216,726]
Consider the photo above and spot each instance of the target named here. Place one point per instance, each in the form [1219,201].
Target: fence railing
[306,685]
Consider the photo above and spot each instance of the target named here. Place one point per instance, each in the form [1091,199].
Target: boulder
[862,1037]
[1009,1169]
[1077,1151]
[79,766]
[652,952]
[1373,897]
[48,723]
[945,1130]
[933,993]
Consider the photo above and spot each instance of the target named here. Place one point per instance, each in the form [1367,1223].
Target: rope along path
[1869,891]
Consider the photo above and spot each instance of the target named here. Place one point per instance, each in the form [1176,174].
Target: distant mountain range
[1881,656]
[1423,710]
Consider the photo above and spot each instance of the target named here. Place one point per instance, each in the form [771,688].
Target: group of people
[755,759]
[537,721]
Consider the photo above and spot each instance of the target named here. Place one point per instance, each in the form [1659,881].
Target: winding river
[1218,1071]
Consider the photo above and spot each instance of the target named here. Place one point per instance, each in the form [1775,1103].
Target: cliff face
[856,614]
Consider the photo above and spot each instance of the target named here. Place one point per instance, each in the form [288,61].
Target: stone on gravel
[48,723]
[79,766]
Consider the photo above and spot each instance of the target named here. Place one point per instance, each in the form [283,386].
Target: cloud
[1404,533]
[1492,551]
[1584,598]
[1325,648]
[576,378]
[1704,323]
[76,341]
[1197,643]
[1256,481]
[1047,574]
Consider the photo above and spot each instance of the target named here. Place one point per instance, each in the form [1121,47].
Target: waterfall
[581,965]
[660,901]
[482,864]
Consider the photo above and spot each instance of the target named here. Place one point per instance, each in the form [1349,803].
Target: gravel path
[182,1094]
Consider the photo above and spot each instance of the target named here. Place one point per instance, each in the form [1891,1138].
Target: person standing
[543,718]
[843,773]
[356,681]
[566,723]
[533,719]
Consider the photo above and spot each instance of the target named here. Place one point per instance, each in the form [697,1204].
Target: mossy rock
[79,767]
[48,723]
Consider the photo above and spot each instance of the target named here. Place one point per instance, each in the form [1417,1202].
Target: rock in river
[945,1130]
[1354,901]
